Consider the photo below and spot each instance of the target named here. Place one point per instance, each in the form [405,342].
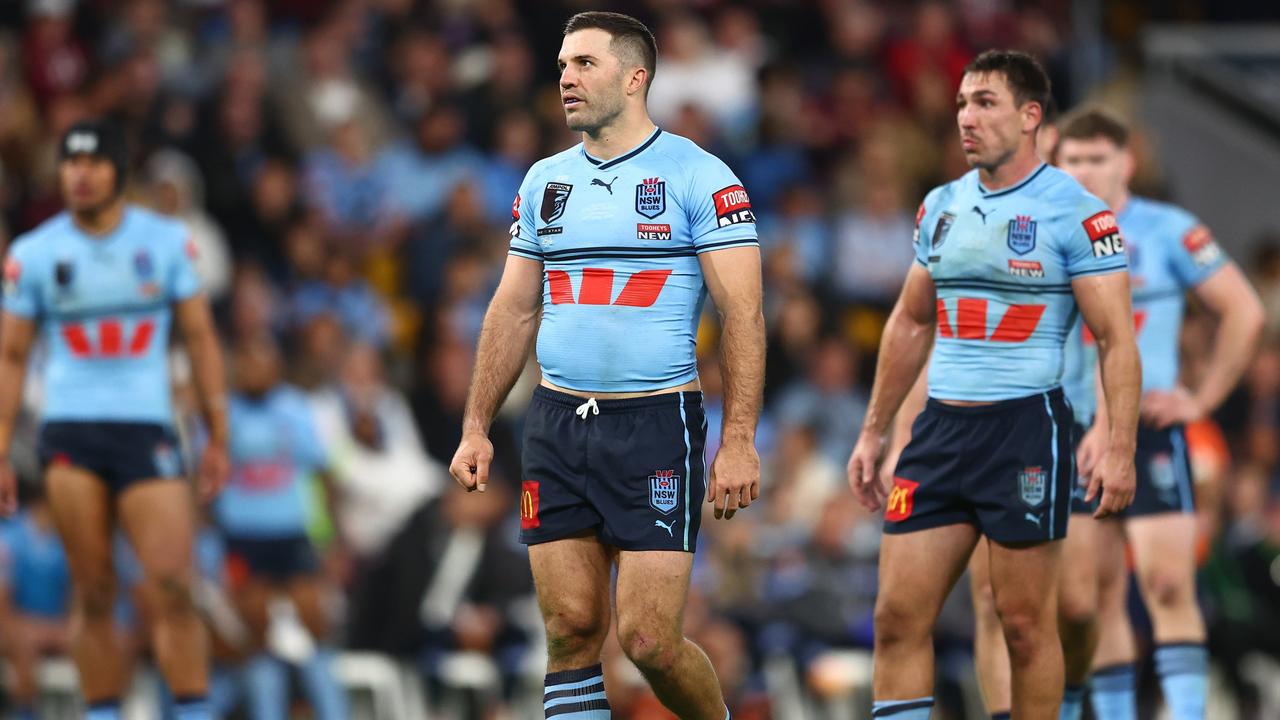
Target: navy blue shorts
[274,559]
[633,473]
[121,453]
[1005,468]
[1163,472]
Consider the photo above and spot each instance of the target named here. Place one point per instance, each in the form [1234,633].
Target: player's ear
[637,81]
[1129,164]
[1032,116]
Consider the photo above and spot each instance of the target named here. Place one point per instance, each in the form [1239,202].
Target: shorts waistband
[1054,395]
[692,398]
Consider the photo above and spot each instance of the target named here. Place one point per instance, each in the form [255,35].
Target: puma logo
[606,185]
[982,214]
[664,526]
[1033,519]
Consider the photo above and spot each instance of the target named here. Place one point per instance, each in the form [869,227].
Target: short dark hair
[630,36]
[1026,76]
[1093,123]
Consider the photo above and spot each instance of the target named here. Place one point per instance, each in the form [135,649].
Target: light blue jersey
[1002,262]
[619,242]
[33,565]
[1170,252]
[104,308]
[274,451]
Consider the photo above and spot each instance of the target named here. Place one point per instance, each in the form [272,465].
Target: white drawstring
[589,406]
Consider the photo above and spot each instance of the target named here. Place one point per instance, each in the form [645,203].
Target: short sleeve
[7,550]
[1197,255]
[21,286]
[524,242]
[183,280]
[717,207]
[927,225]
[1094,245]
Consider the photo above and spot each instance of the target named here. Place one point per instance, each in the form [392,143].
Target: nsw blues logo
[554,199]
[651,197]
[1031,485]
[1022,234]
[168,463]
[664,491]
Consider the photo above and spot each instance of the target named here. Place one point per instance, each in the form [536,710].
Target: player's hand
[1115,477]
[470,465]
[864,470]
[215,467]
[735,478]
[1092,447]
[1164,408]
[8,488]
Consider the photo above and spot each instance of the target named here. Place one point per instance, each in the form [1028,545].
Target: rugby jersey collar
[606,164]
[1012,188]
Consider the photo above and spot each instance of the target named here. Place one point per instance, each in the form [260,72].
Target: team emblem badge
[166,460]
[945,221]
[63,272]
[664,487]
[1031,485]
[651,197]
[1022,234]
[1161,471]
[142,264]
[554,199]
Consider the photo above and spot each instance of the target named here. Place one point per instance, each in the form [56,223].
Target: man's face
[592,83]
[1098,164]
[88,182]
[991,121]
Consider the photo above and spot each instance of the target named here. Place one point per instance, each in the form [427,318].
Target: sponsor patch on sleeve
[515,208]
[732,206]
[193,252]
[915,237]
[12,273]
[1104,234]
[1201,246]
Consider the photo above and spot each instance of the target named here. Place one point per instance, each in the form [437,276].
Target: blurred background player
[613,465]
[35,595]
[101,282]
[1004,258]
[263,512]
[1170,253]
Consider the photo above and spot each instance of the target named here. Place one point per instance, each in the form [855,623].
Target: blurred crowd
[346,169]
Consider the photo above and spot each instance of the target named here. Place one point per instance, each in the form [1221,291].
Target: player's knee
[1165,589]
[652,650]
[1077,610]
[1025,629]
[173,593]
[897,622]
[570,634]
[95,598]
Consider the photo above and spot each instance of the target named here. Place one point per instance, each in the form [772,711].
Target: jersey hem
[623,386]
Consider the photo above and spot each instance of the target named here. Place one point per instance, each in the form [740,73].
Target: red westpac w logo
[970,323]
[595,287]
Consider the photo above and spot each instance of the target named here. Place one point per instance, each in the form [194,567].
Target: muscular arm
[1231,299]
[904,349]
[509,327]
[1104,304]
[733,280]
[17,334]
[201,338]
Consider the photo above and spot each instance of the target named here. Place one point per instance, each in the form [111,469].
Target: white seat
[377,675]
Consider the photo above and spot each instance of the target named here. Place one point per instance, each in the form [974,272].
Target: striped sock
[1113,692]
[103,710]
[192,707]
[1184,677]
[1006,715]
[576,695]
[914,709]
[1072,703]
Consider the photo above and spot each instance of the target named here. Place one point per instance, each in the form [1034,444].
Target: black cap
[99,138]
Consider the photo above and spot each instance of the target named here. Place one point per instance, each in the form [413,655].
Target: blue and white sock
[328,698]
[267,687]
[1183,669]
[1113,692]
[1072,703]
[103,710]
[576,695]
[192,707]
[914,709]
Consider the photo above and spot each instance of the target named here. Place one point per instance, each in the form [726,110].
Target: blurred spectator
[345,186]
[54,59]
[420,173]
[932,50]
[177,190]
[341,293]
[694,70]
[872,248]
[828,399]
[20,122]
[508,89]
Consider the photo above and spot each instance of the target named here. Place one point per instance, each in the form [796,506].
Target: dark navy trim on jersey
[988,194]
[741,242]
[1063,288]
[606,164]
[524,253]
[900,707]
[75,315]
[558,254]
[1099,271]
[1157,295]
